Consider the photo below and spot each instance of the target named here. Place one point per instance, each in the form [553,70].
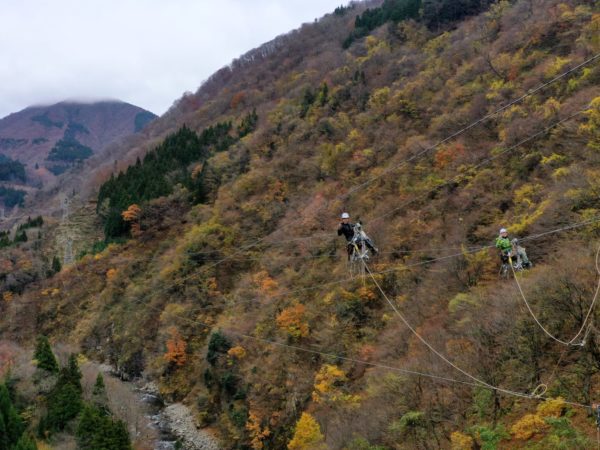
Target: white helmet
[503,230]
[345,215]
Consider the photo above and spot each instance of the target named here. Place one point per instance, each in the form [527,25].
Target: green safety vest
[503,244]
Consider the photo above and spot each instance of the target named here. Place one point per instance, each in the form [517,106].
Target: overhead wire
[428,261]
[435,188]
[423,152]
[475,123]
[538,391]
[476,380]
[587,316]
[535,395]
[482,163]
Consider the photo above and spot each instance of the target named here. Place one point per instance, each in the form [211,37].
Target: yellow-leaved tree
[461,441]
[534,424]
[327,381]
[592,127]
[308,435]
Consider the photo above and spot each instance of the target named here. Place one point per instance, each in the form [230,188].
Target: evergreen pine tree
[21,236]
[120,436]
[42,428]
[12,423]
[25,443]
[87,427]
[56,265]
[4,444]
[98,430]
[44,356]
[64,403]
[72,373]
[324,94]
[99,397]
[99,388]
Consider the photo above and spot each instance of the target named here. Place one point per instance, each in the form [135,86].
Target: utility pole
[65,208]
[68,252]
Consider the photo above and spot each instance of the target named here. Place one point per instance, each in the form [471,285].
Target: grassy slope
[125,304]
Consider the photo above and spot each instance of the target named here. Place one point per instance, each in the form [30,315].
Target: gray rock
[182,425]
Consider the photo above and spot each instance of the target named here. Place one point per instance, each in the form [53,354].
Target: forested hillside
[435,123]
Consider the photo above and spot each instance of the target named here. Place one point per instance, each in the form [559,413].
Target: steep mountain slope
[232,290]
[50,139]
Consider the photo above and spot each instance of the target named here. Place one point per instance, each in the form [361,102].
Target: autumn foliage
[132,216]
[258,433]
[241,184]
[176,348]
[307,435]
[293,321]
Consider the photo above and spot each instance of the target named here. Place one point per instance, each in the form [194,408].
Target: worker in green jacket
[503,243]
[512,248]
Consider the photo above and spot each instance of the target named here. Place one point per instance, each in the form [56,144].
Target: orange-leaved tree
[176,348]
[237,352]
[292,320]
[111,274]
[258,433]
[132,215]
[264,283]
[237,98]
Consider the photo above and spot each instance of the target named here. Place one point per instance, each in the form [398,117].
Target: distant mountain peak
[49,139]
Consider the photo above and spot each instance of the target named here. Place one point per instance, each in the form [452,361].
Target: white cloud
[145,52]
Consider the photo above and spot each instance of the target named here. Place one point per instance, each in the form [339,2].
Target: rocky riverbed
[180,422]
[153,424]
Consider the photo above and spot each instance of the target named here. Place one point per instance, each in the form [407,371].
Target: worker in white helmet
[350,230]
[511,248]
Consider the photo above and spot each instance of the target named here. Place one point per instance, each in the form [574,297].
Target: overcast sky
[145,52]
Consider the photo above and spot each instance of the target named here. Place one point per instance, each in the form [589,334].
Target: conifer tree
[4,443]
[99,387]
[56,265]
[98,430]
[64,402]
[11,424]
[43,355]
[72,373]
[120,436]
[324,94]
[25,443]
[21,236]
[87,427]
[99,397]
